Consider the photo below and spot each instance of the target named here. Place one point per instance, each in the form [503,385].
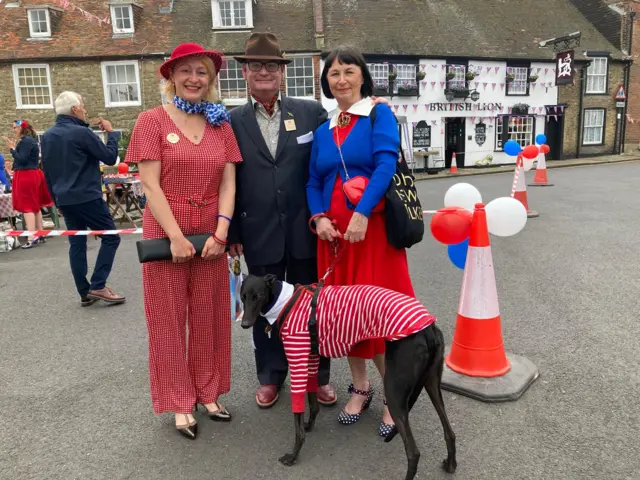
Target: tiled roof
[75,36]
[467,28]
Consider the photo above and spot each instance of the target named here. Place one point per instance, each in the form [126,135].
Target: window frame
[216,16]
[33,34]
[123,31]
[18,93]
[527,92]
[107,102]
[233,100]
[462,63]
[313,76]
[504,135]
[606,76]
[384,66]
[603,127]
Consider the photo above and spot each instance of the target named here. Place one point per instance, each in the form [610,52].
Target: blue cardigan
[26,155]
[370,152]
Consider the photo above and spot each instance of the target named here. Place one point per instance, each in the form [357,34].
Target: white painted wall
[492,88]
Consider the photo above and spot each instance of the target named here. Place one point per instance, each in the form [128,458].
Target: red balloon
[545,148]
[451,225]
[123,167]
[530,152]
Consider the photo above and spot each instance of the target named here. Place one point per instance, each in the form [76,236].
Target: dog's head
[256,293]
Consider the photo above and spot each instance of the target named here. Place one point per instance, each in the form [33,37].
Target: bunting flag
[493,85]
[395,107]
[502,86]
[442,84]
[424,84]
[444,67]
[434,65]
[426,107]
[433,122]
[546,70]
[414,124]
[473,119]
[405,107]
[433,86]
[497,69]
[484,85]
[90,17]
[422,67]
[415,107]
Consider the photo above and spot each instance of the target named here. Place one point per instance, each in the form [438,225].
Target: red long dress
[370,262]
[195,293]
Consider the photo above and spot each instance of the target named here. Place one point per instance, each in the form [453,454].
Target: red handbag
[354,187]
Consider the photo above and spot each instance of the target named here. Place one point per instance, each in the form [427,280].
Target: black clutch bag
[157,249]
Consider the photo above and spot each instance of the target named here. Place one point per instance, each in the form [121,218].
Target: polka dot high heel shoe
[350,418]
[385,429]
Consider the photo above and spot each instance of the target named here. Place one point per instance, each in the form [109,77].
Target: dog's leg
[432,386]
[314,407]
[290,458]
[398,402]
[412,401]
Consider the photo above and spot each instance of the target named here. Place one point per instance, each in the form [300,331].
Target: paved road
[74,389]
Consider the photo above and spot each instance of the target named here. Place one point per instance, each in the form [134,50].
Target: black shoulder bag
[403,212]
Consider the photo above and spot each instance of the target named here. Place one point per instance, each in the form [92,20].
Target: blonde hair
[168,88]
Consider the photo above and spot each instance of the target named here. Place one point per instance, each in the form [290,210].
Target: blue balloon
[512,148]
[541,139]
[458,253]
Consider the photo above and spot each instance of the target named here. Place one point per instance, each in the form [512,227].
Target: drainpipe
[319,23]
[627,81]
[579,135]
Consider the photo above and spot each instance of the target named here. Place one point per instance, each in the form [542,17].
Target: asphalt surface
[74,392]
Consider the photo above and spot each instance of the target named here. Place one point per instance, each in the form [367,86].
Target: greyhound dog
[328,320]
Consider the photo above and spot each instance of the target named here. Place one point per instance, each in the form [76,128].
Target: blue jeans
[93,215]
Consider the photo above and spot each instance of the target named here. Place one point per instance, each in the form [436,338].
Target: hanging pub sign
[421,135]
[481,133]
[564,68]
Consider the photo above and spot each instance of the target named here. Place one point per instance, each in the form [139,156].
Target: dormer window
[124,15]
[232,14]
[39,22]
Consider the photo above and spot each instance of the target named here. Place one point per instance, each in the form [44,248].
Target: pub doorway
[554,131]
[454,141]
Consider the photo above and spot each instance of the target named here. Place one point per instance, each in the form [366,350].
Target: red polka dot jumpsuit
[194,293]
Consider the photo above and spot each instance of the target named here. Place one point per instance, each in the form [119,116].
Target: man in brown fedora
[270,225]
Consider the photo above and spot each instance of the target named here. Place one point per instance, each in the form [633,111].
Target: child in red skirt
[29,190]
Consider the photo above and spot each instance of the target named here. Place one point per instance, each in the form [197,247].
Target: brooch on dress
[173,138]
[344,119]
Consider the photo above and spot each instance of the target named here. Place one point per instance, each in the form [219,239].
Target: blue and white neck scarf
[215,113]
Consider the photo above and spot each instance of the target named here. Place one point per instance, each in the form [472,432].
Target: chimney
[319,23]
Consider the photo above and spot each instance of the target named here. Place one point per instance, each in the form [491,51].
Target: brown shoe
[267,396]
[327,395]
[107,295]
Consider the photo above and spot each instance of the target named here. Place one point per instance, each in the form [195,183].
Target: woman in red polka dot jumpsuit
[186,152]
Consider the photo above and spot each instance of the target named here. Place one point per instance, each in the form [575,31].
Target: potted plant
[510,77]
[380,88]
[408,89]
[420,75]
[451,74]
[533,77]
[470,76]
[520,109]
[392,76]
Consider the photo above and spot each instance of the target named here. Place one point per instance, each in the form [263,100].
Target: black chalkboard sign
[421,135]
[481,133]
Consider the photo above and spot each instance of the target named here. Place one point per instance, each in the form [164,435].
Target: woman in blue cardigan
[350,146]
[29,191]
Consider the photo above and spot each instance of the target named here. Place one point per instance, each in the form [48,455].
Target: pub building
[469,108]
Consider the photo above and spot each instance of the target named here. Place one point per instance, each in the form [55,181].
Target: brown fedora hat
[262,46]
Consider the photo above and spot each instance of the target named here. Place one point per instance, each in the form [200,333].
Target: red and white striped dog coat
[345,316]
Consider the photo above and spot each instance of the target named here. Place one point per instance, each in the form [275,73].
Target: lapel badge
[173,138]
[290,114]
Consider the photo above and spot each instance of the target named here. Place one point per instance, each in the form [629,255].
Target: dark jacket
[271,202]
[26,155]
[71,156]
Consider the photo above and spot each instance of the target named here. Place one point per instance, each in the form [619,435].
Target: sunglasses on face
[270,66]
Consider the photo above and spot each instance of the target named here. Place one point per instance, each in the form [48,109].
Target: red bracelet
[217,240]
[313,219]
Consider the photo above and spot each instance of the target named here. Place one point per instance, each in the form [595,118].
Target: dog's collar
[280,299]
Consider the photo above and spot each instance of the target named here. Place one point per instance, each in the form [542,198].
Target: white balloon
[462,195]
[528,164]
[506,216]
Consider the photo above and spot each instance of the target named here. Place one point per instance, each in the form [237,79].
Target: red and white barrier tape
[515,179]
[67,233]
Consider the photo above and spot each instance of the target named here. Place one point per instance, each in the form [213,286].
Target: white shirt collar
[362,107]
[283,298]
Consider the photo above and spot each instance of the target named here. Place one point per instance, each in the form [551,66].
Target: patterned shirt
[345,316]
[269,125]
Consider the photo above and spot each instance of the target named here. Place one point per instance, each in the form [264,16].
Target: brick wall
[86,79]
[570,95]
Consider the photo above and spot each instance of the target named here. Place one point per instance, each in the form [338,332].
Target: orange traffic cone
[477,348]
[521,188]
[453,168]
[540,179]
[477,365]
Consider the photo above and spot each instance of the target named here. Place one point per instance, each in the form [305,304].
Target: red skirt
[29,191]
[370,262]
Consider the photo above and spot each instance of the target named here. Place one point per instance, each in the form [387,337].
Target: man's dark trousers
[93,215]
[271,361]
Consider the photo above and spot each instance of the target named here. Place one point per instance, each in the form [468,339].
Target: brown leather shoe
[107,295]
[327,395]
[267,396]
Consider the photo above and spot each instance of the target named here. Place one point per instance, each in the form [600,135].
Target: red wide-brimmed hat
[186,50]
